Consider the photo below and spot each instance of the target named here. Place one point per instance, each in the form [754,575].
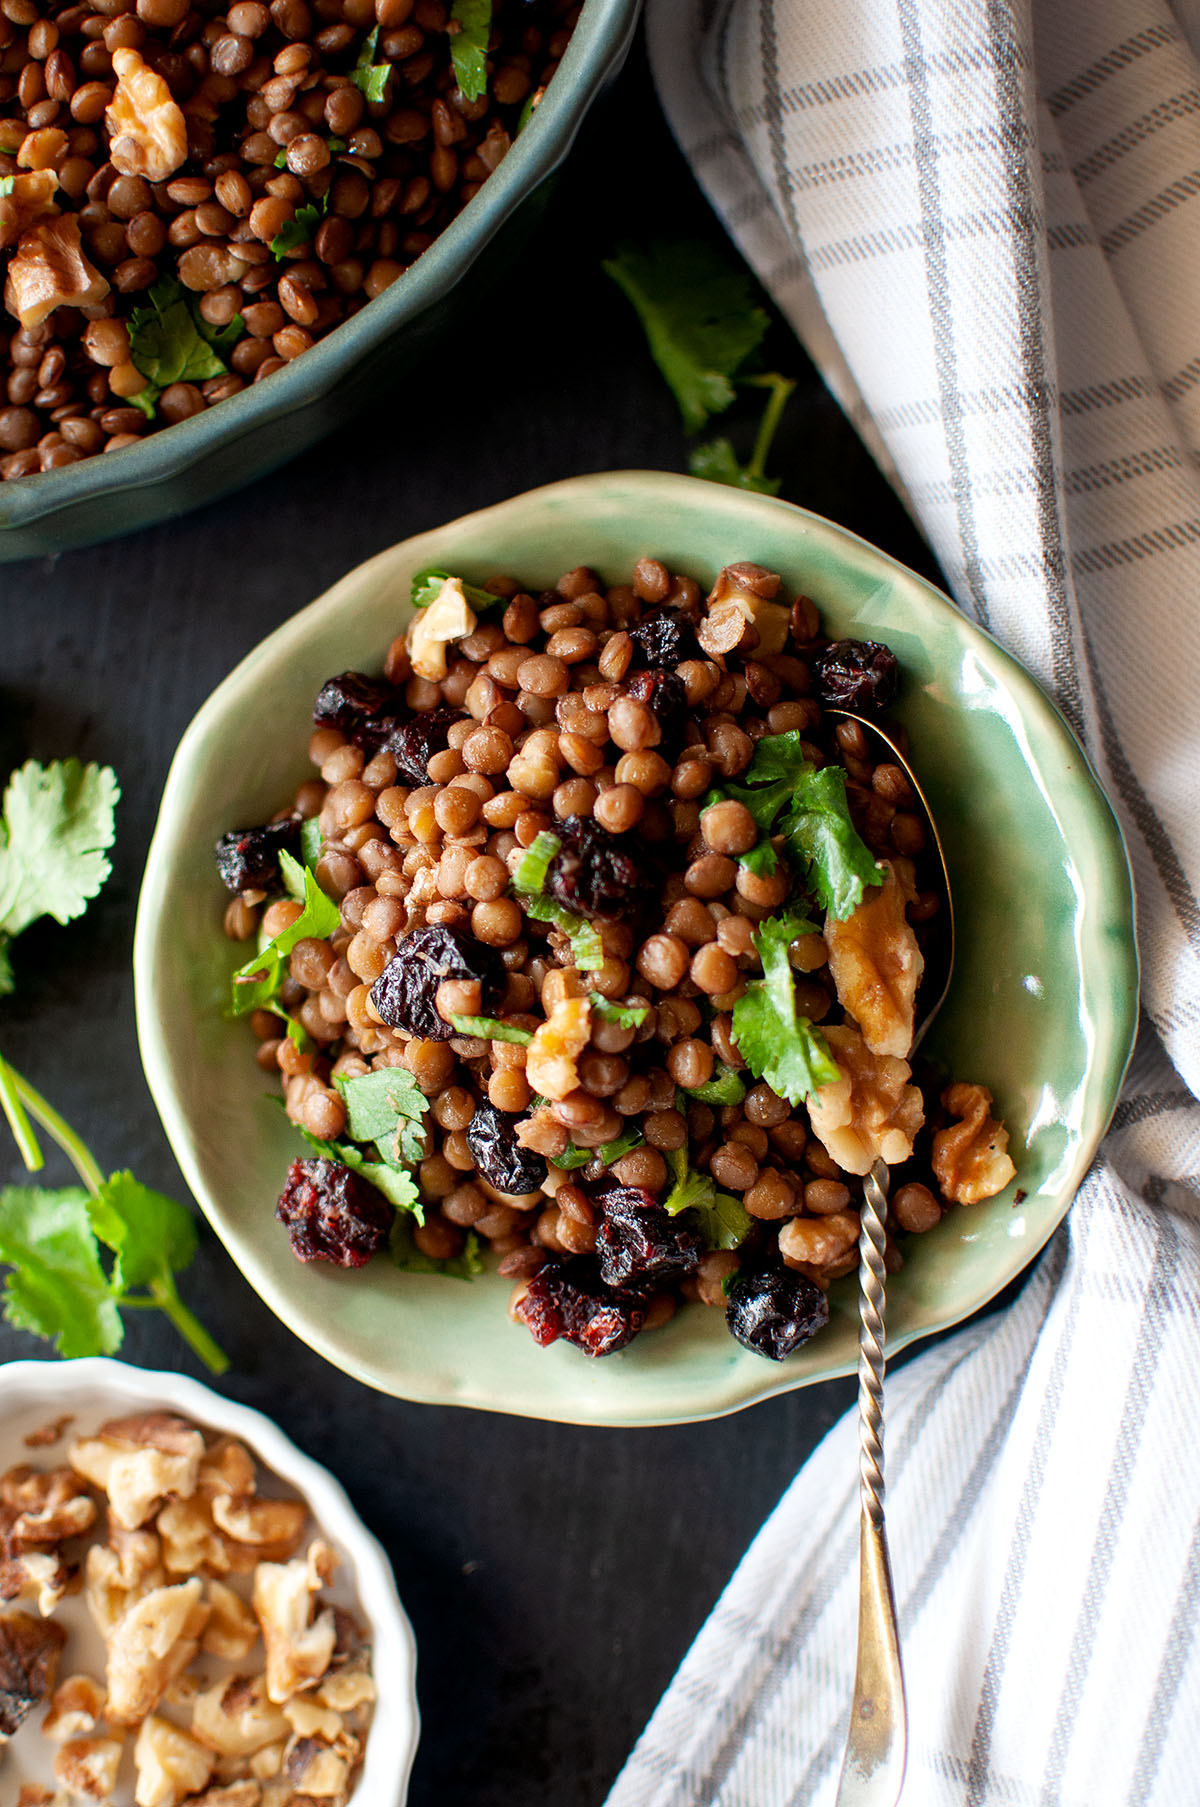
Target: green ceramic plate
[1042,1009]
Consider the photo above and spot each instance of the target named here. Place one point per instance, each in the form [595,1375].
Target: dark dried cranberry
[664,638]
[774,1311]
[349,702]
[248,858]
[569,1299]
[333,1214]
[594,873]
[636,1240]
[499,1157]
[404,993]
[856,674]
[665,696]
[414,742]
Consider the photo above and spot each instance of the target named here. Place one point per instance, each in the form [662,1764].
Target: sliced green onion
[586,947]
[529,879]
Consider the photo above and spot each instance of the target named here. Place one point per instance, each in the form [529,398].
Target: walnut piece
[29,1651]
[871,1113]
[876,963]
[298,1654]
[170,1764]
[48,270]
[139,1462]
[233,1794]
[88,1767]
[279,1523]
[31,198]
[447,618]
[226,1468]
[190,1541]
[76,1707]
[150,1644]
[315,1769]
[550,1064]
[235,1718]
[147,129]
[750,591]
[232,1629]
[970,1158]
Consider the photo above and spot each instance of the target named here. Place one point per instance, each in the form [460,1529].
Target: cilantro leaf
[171,342]
[427,587]
[396,1183]
[58,822]
[490,1028]
[301,229]
[717,461]
[626,1016]
[825,843]
[723,1221]
[295,1031]
[407,1256]
[726,1087]
[57,1288]
[698,314]
[468,48]
[257,981]
[386,1107]
[776,1044]
[573,1156]
[311,840]
[529,109]
[369,75]
[150,1234]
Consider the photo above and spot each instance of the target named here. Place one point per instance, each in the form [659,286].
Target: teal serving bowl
[255,431]
[1042,1009]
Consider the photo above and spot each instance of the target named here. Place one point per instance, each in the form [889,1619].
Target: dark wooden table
[554,1576]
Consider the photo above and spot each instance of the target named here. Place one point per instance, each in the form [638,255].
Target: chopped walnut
[49,270]
[139,1462]
[750,590]
[232,1629]
[76,1708]
[46,1434]
[146,127]
[88,1767]
[29,1651]
[32,1794]
[108,1594]
[235,1718]
[970,1158]
[876,963]
[152,1643]
[446,619]
[871,1113]
[279,1523]
[170,1764]
[231,1794]
[550,1063]
[345,1690]
[315,1769]
[309,1719]
[139,1557]
[298,1653]
[820,1245]
[39,1510]
[268,1761]
[190,1541]
[31,198]
[226,1468]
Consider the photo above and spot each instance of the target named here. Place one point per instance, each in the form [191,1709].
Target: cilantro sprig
[386,1107]
[703,328]
[490,1028]
[587,950]
[775,1041]
[723,1220]
[300,230]
[468,46]
[427,587]
[170,341]
[368,75]
[256,982]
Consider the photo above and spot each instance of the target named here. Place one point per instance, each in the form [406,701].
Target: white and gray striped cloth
[983,219]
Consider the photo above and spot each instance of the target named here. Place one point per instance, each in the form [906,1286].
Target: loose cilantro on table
[256,983]
[528,880]
[368,75]
[724,1221]
[427,586]
[468,46]
[170,341]
[776,1043]
[58,824]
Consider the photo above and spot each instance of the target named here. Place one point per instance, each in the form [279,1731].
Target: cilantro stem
[781,388]
[60,1131]
[189,1327]
[18,1121]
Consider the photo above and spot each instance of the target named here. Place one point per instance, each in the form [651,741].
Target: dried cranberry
[569,1299]
[665,696]
[333,1214]
[594,873]
[636,1240]
[856,674]
[773,1311]
[349,702]
[404,994]
[414,742]
[499,1157]
[664,638]
[248,858]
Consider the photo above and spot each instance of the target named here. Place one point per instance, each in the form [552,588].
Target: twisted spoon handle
[877,1743]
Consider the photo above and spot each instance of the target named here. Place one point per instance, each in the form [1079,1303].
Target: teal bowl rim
[600,39]
[1109,1066]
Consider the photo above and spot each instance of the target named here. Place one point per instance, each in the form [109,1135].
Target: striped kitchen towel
[983,219]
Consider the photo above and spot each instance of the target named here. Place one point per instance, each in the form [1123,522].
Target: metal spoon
[877,1741]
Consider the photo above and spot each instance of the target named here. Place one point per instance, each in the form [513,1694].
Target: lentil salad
[192,196]
[552,977]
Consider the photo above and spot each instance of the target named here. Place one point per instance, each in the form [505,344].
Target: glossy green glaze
[229,446]
[1042,1009]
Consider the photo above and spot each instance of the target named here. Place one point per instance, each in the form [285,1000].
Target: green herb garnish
[427,587]
[528,880]
[301,229]
[726,1088]
[311,840]
[256,982]
[530,876]
[386,1107]
[170,341]
[723,1220]
[573,1156]
[369,75]
[777,1044]
[396,1183]
[406,1255]
[626,1016]
[468,47]
[716,458]
[490,1028]
[296,1033]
